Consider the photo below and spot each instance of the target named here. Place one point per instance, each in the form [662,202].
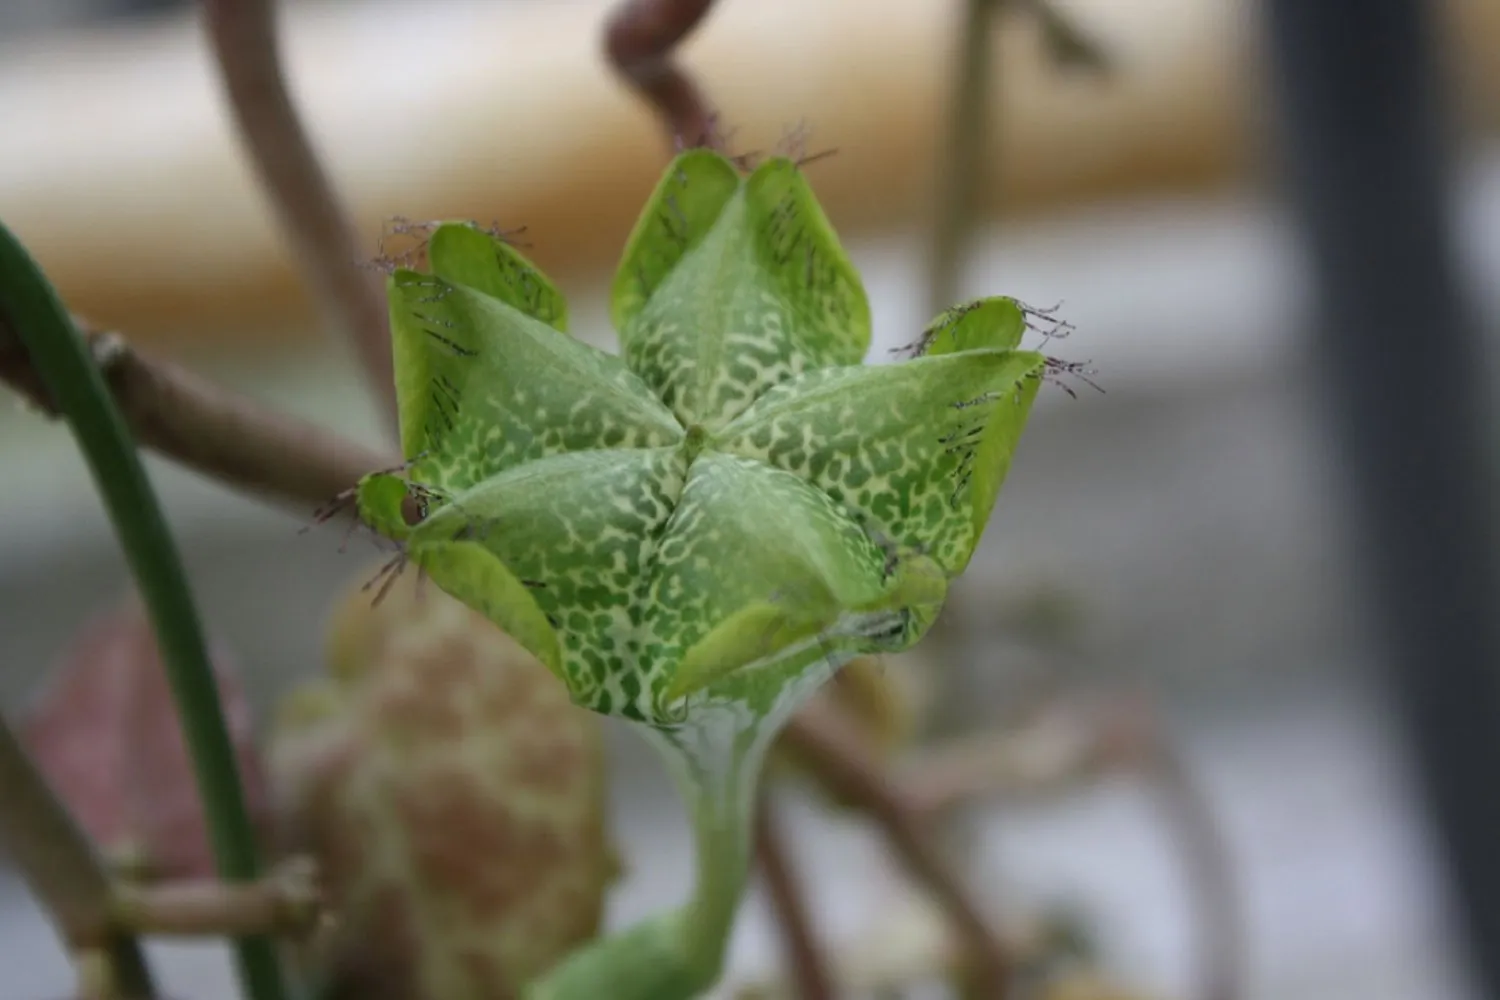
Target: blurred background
[1183,533]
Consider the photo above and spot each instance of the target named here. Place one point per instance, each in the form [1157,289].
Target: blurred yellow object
[883,696]
[123,176]
[883,702]
[453,797]
[1085,986]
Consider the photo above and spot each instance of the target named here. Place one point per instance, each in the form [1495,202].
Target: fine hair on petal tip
[793,145]
[386,576]
[1046,321]
[402,242]
[1056,370]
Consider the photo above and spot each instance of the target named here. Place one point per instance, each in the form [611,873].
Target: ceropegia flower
[693,535]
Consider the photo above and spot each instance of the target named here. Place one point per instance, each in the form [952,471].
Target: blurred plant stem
[243,36]
[807,965]
[30,310]
[286,901]
[833,749]
[971,121]
[205,427]
[961,161]
[1208,868]
[639,39]
[66,874]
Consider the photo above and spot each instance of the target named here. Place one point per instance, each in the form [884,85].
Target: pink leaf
[105,733]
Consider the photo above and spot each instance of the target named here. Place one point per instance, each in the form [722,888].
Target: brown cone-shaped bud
[453,796]
[105,732]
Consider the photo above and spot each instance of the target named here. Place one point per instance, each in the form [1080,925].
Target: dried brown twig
[1057,748]
[67,875]
[287,902]
[962,159]
[971,119]
[1207,866]
[1062,747]
[243,36]
[206,428]
[807,966]
[639,39]
[835,752]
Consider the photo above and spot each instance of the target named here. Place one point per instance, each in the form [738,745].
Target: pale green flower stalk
[696,534]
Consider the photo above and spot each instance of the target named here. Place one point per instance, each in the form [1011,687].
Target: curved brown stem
[639,39]
[807,966]
[840,757]
[208,429]
[1055,750]
[243,35]
[1208,870]
[287,901]
[963,155]
[67,875]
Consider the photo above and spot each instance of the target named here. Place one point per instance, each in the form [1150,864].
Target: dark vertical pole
[1364,134]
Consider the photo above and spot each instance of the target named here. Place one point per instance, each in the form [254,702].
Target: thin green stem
[716,760]
[678,955]
[719,784]
[31,309]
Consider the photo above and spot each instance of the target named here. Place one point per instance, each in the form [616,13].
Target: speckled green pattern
[696,534]
[737,498]
[897,445]
[597,516]
[758,290]
[683,208]
[484,387]
[996,323]
[717,561]
[464,255]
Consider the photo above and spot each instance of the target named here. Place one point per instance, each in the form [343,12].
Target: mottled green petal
[483,387]
[461,568]
[916,450]
[756,632]
[806,265]
[577,532]
[463,254]
[991,461]
[683,208]
[471,572]
[754,653]
[994,322]
[725,293]
[755,559]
